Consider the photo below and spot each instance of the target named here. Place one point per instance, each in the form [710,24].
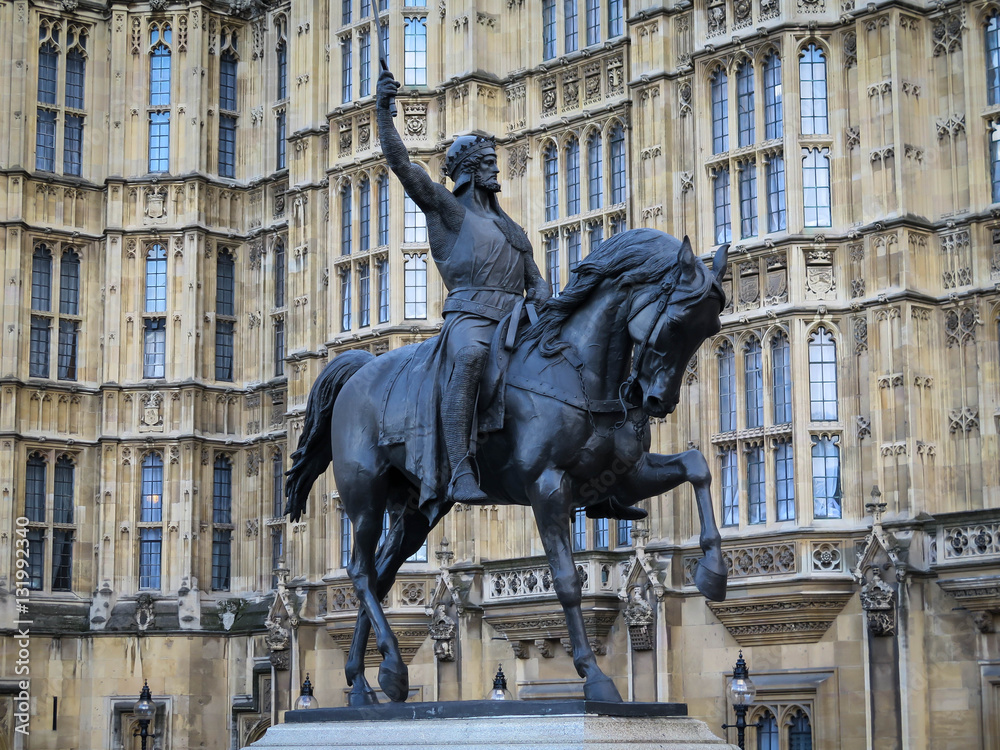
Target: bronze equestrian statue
[564,404]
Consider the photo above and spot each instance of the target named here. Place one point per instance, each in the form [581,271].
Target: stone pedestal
[474,725]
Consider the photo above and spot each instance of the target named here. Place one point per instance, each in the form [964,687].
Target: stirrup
[473,493]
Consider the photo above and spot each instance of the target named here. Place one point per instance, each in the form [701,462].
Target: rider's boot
[457,413]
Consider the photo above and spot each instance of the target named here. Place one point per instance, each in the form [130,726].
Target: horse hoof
[395,681]
[603,690]
[711,583]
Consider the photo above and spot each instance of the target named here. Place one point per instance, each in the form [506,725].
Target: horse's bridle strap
[598,406]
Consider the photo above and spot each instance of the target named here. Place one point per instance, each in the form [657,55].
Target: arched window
[727,388]
[550,166]
[347,69]
[383,210]
[69,283]
[76,68]
[282,60]
[345,539]
[729,488]
[345,220]
[993,59]
[784,475]
[827,490]
[773,109]
[822,376]
[745,102]
[151,508]
[571,34]
[767,734]
[364,211]
[48,67]
[34,489]
[41,279]
[579,530]
[775,173]
[225,284]
[365,63]
[748,198]
[159,98]
[278,484]
[572,177]
[156,279]
[756,505]
[279,273]
[720,112]
[816,187]
[753,377]
[62,497]
[812,91]
[345,299]
[595,171]
[781,379]
[227,111]
[800,732]
[616,145]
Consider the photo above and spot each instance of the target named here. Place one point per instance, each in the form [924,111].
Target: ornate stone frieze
[750,561]
[800,617]
[980,595]
[960,325]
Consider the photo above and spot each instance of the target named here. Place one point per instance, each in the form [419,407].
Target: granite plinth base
[475,725]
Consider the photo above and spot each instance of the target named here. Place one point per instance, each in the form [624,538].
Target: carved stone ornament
[639,619]
[152,412]
[442,630]
[879,559]
[144,615]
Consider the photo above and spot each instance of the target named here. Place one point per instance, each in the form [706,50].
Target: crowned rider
[486,263]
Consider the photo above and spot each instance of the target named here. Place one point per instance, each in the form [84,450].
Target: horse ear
[686,257]
[720,261]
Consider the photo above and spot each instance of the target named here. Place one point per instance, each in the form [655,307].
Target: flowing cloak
[485,275]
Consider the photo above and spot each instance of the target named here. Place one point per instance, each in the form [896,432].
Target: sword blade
[383,64]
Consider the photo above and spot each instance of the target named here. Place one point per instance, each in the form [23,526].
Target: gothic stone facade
[196,217]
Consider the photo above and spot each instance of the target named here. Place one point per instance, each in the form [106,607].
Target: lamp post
[499,691]
[742,691]
[144,710]
[306,699]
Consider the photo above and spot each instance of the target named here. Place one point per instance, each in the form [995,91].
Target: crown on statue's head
[464,148]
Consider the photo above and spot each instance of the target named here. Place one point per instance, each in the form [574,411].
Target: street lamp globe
[742,691]
[306,699]
[144,708]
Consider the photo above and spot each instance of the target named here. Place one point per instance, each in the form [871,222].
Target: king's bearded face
[485,176]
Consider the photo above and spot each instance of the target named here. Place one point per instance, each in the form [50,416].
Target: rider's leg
[457,412]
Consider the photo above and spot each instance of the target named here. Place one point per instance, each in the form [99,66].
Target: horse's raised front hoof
[710,577]
[394,679]
[362,696]
[602,689]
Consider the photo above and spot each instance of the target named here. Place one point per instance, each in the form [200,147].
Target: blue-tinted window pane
[756,507]
[748,200]
[221,557]
[364,295]
[227,82]
[720,192]
[62,559]
[36,559]
[616,18]
[624,533]
[156,279]
[773,109]
[48,65]
[225,285]
[822,376]
[346,71]
[776,213]
[227,146]
[365,215]
[45,141]
[727,388]
[69,283]
[279,348]
[551,175]
[278,484]
[993,60]
[753,372]
[41,279]
[593,22]
[282,60]
[383,210]
[812,91]
[150,548]
[570,26]
[277,550]
[816,188]
[69,334]
[595,236]
[745,103]
[579,531]
[151,504]
[595,174]
[345,540]
[345,299]
[573,178]
[34,490]
[415,287]
[827,492]
[280,143]
[729,484]
[800,733]
[616,142]
[767,734]
[573,249]
[159,76]
[279,274]
[224,350]
[154,348]
[414,222]
[62,500]
[415,51]
[781,379]
[222,491]
[548,29]
[38,362]
[76,68]
[720,112]
[346,11]
[345,220]
[784,474]
[159,141]
[383,291]
[73,145]
[365,72]
[552,264]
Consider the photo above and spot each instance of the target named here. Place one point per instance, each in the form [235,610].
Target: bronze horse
[603,357]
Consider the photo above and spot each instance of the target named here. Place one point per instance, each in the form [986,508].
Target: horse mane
[632,258]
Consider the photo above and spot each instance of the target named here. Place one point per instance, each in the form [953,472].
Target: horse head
[669,322]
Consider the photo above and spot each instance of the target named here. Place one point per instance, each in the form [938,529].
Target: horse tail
[314,452]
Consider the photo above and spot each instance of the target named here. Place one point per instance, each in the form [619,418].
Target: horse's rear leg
[551,504]
[656,474]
